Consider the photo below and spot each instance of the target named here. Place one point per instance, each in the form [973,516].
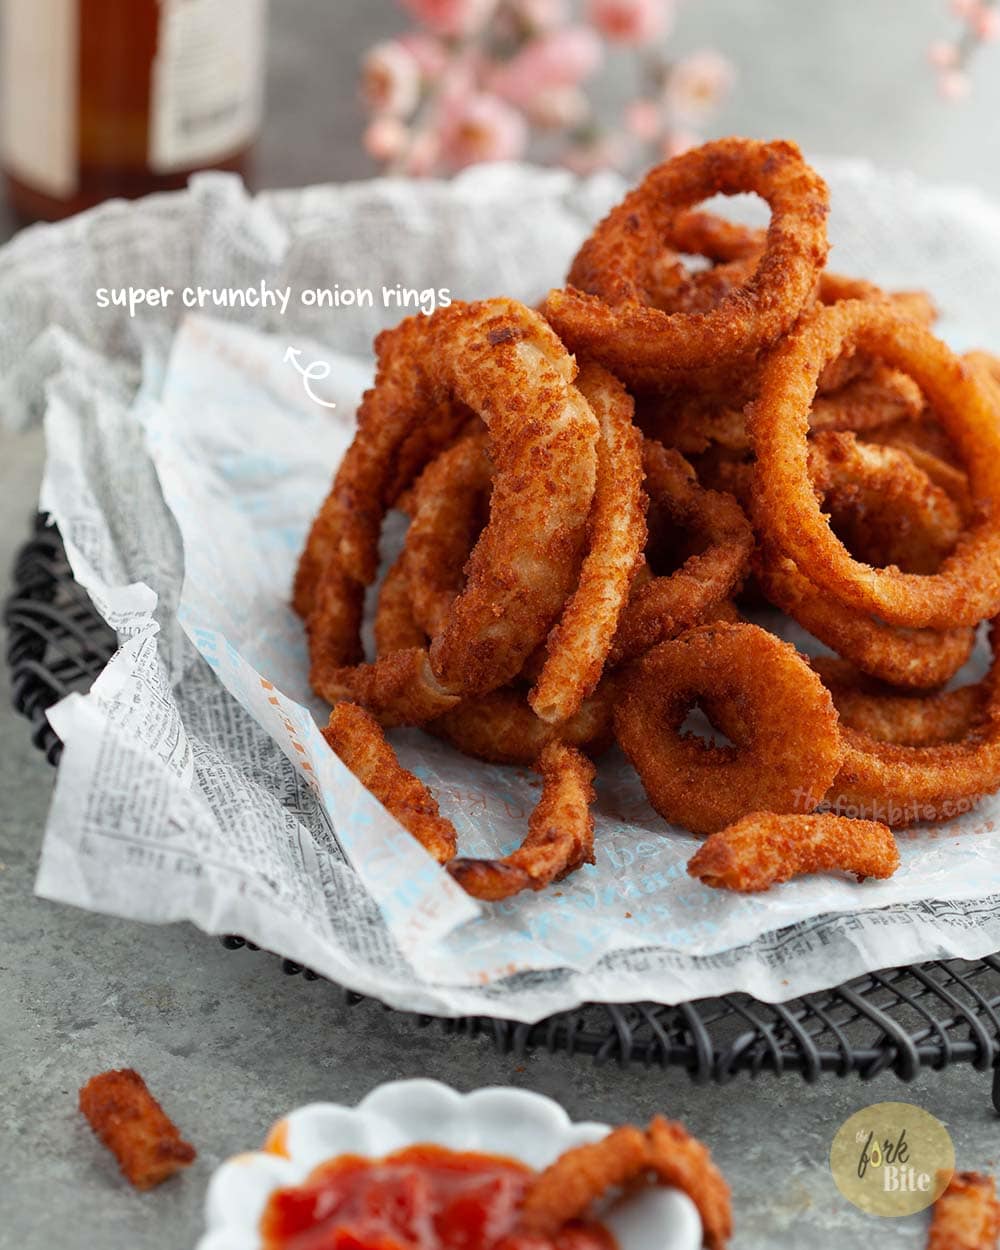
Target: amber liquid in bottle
[125,66]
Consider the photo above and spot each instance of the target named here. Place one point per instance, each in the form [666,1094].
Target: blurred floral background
[907,83]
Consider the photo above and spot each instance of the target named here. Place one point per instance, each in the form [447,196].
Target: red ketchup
[420,1198]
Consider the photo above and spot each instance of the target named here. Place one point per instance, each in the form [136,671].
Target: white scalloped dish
[497,1120]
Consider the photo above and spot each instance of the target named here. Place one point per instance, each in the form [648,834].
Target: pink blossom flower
[630,21]
[390,79]
[558,108]
[697,84]
[560,58]
[644,120]
[386,138]
[943,55]
[966,9]
[483,128]
[677,142]
[987,24]
[541,14]
[953,84]
[429,53]
[590,156]
[447,17]
[423,155]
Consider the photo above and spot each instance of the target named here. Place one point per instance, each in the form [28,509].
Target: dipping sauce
[421,1198]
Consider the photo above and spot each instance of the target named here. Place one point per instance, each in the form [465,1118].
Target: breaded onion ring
[889,715]
[355,736]
[665,1153]
[560,832]
[578,645]
[616,322]
[663,607]
[966,588]
[906,785]
[967,1215]
[764,849]
[915,658]
[448,511]
[761,693]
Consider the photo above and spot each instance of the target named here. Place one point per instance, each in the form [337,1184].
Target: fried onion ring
[906,785]
[764,849]
[780,716]
[560,833]
[579,643]
[616,322]
[967,1215]
[966,588]
[663,607]
[666,1153]
[356,737]
[889,715]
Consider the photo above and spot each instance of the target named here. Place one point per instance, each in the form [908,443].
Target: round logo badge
[892,1158]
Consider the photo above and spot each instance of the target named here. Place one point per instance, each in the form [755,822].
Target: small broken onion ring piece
[765,848]
[356,737]
[967,1215]
[560,832]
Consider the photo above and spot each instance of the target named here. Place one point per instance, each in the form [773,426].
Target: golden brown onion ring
[560,832]
[616,323]
[966,588]
[760,692]
[763,849]
[579,644]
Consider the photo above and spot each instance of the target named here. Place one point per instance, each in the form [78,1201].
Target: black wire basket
[929,1015]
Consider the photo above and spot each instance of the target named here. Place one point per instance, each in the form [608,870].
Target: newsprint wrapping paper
[188,449]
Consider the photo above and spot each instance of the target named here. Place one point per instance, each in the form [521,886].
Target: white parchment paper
[185,461]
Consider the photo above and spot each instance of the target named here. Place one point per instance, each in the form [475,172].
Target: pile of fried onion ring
[704,425]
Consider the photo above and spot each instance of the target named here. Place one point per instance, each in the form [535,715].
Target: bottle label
[38,94]
[207,81]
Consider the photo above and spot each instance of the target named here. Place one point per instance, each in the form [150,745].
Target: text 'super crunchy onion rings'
[914,658]
[666,1152]
[906,785]
[909,720]
[355,736]
[560,832]
[967,1215]
[644,346]
[760,692]
[764,849]
[966,588]
[579,643]
[663,607]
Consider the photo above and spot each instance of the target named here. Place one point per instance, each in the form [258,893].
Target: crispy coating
[967,1215]
[356,737]
[560,832]
[449,505]
[755,688]
[543,444]
[618,324]
[902,717]
[578,645]
[966,588]
[394,625]
[398,688]
[763,849]
[914,658]
[663,607]
[908,785]
[134,1127]
[665,1154]
[501,728]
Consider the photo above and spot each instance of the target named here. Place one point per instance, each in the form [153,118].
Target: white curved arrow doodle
[318,371]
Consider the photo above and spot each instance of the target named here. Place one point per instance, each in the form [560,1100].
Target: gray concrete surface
[227,1041]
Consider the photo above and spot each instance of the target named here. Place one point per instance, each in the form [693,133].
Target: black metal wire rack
[902,1020]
